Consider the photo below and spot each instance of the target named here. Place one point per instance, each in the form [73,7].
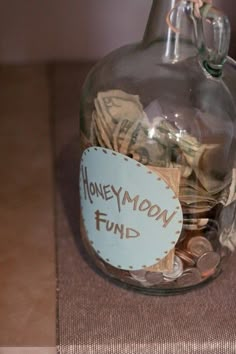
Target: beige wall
[71,29]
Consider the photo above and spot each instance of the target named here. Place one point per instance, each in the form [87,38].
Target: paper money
[92,136]
[228,227]
[170,175]
[97,131]
[102,133]
[123,135]
[120,123]
[107,124]
[195,224]
[117,105]
[185,170]
[200,157]
[228,237]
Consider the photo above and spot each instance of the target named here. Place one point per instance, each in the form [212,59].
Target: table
[40,125]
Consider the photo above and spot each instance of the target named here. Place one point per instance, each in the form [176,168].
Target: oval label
[132,217]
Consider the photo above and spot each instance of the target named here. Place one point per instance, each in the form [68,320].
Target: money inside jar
[120,123]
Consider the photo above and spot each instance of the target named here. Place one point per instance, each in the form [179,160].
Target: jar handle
[214,57]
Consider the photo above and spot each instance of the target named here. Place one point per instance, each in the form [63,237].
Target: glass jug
[157,176]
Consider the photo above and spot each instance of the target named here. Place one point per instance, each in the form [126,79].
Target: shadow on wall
[59,29]
[32,30]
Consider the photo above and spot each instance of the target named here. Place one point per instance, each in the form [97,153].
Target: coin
[146,284]
[185,257]
[154,278]
[190,277]
[168,280]
[199,245]
[176,272]
[119,123]
[130,281]
[208,263]
[138,274]
[139,283]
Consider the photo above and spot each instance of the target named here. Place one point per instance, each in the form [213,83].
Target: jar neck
[157,30]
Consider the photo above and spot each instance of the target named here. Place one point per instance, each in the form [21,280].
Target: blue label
[131,215]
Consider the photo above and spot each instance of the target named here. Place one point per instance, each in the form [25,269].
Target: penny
[199,245]
[154,278]
[190,277]
[185,257]
[177,270]
[186,235]
[208,263]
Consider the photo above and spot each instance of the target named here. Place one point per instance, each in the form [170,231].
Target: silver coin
[190,277]
[154,278]
[177,270]
[208,263]
[138,275]
[198,245]
[146,284]
[168,280]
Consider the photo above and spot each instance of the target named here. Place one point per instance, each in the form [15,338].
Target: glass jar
[157,176]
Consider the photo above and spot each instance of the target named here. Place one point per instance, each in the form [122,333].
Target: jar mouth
[213,71]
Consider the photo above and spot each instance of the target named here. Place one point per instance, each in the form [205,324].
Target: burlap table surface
[96,316]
